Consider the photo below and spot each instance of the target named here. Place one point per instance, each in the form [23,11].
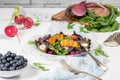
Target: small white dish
[13,73]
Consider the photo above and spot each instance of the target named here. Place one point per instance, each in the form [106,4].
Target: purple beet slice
[79,10]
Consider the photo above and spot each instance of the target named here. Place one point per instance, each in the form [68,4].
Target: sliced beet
[79,10]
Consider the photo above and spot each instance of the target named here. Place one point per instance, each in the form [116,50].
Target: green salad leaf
[40,66]
[99,51]
[58,49]
[100,23]
[82,29]
[31,42]
[70,26]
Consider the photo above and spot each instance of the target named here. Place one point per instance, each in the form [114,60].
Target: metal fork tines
[72,70]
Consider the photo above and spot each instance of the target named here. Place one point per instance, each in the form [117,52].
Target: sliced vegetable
[79,10]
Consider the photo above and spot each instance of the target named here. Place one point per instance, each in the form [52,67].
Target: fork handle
[98,62]
[97,78]
[69,68]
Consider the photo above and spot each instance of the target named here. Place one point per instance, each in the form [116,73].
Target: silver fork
[72,70]
[84,44]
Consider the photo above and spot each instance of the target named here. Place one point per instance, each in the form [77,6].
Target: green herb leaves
[102,24]
[15,13]
[58,49]
[82,29]
[99,51]
[70,26]
[40,66]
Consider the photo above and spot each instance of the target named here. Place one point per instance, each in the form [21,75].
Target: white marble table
[45,14]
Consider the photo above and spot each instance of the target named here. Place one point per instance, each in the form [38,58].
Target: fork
[72,70]
[95,59]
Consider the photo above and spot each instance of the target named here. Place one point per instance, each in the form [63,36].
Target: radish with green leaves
[19,19]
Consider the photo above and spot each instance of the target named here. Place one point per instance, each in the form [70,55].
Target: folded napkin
[57,72]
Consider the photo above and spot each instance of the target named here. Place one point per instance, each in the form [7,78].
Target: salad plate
[57,31]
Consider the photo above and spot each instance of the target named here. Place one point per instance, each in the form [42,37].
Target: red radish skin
[79,10]
[19,20]
[11,31]
[72,53]
[28,22]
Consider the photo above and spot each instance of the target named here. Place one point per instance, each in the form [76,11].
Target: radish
[28,22]
[11,31]
[19,19]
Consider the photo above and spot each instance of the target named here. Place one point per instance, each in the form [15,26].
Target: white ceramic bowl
[13,73]
[57,27]
[15,47]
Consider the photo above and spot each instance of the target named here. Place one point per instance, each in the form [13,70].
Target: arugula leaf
[82,29]
[70,26]
[58,49]
[98,51]
[31,42]
[40,66]
[102,23]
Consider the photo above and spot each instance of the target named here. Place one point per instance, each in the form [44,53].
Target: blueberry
[9,53]
[14,61]
[20,57]
[17,58]
[0,61]
[4,68]
[7,64]
[17,63]
[25,60]
[14,65]
[2,65]
[9,59]
[11,62]
[13,55]
[6,55]
[20,62]
[1,55]
[3,61]
[12,68]
[21,67]
[16,68]
[25,64]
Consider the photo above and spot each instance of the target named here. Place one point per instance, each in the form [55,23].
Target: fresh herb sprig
[102,24]
[99,51]
[98,23]
[40,66]
[70,26]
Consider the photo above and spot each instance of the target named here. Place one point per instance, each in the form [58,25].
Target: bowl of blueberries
[11,64]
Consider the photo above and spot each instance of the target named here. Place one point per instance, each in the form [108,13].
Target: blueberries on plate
[10,61]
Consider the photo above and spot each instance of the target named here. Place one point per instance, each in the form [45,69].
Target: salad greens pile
[102,24]
[99,23]
[58,49]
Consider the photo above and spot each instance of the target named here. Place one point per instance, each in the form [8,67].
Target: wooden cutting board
[62,17]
